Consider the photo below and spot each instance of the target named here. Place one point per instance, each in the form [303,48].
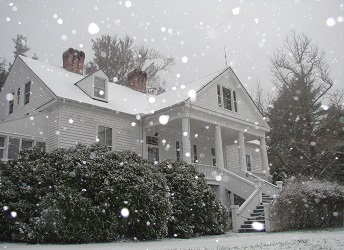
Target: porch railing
[210,172]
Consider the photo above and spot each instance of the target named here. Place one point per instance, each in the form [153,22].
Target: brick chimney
[73,60]
[137,80]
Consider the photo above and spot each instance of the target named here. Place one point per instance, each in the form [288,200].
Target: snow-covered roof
[120,98]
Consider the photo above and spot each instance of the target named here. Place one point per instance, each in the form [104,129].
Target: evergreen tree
[118,56]
[3,73]
[20,45]
[302,78]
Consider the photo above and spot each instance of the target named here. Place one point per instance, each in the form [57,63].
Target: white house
[211,122]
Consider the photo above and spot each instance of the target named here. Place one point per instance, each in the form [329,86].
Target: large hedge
[81,194]
[195,209]
[308,204]
[77,195]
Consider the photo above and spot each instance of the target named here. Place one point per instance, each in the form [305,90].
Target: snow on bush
[308,204]
[195,208]
[77,195]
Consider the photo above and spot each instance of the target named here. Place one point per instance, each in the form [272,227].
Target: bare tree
[118,56]
[261,98]
[302,78]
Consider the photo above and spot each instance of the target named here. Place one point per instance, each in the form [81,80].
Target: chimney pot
[73,60]
[137,80]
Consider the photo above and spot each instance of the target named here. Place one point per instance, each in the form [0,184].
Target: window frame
[95,87]
[229,102]
[27,93]
[105,143]
[178,151]
[3,148]
[18,96]
[194,152]
[152,140]
[248,162]
[11,104]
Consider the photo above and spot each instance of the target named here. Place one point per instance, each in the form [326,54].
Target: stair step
[257,218]
[249,222]
[250,230]
[257,214]
[258,210]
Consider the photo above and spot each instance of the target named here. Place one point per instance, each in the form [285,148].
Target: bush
[195,208]
[309,204]
[76,196]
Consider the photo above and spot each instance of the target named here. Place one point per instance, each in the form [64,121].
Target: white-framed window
[2,147]
[11,104]
[41,144]
[99,87]
[194,150]
[27,90]
[227,98]
[153,154]
[13,148]
[213,154]
[248,163]
[178,151]
[10,146]
[18,96]
[152,140]
[105,136]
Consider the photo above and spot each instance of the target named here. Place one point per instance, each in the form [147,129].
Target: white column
[264,156]
[242,152]
[218,148]
[186,139]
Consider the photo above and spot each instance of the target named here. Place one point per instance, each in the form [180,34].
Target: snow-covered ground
[319,239]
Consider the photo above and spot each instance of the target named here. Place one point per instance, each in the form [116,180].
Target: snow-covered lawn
[318,239]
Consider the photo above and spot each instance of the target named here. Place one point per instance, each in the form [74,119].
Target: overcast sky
[196,30]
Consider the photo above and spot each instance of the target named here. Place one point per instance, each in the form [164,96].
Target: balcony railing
[210,172]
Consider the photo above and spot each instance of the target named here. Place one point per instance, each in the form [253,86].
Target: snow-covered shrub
[196,210]
[82,194]
[308,204]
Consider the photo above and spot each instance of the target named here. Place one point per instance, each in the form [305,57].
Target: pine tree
[302,78]
[20,45]
[118,56]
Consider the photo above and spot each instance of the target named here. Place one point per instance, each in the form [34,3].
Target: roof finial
[225,56]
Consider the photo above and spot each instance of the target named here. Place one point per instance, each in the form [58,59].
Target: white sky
[197,29]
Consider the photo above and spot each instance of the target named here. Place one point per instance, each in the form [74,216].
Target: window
[26,144]
[18,96]
[2,147]
[178,150]
[153,154]
[235,102]
[227,98]
[195,153]
[248,162]
[41,145]
[11,104]
[219,96]
[13,148]
[213,155]
[27,93]
[105,136]
[152,140]
[99,87]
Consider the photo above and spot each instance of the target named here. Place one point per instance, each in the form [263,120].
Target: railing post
[279,184]
[234,209]
[258,185]
[267,207]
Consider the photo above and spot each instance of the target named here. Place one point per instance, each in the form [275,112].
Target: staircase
[256,223]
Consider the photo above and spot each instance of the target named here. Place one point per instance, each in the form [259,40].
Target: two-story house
[211,122]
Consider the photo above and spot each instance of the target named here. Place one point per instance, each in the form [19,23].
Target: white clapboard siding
[256,162]
[53,128]
[232,153]
[19,76]
[78,125]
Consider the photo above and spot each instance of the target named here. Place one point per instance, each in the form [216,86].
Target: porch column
[186,139]
[242,152]
[218,148]
[264,156]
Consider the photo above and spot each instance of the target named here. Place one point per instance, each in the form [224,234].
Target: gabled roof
[120,98]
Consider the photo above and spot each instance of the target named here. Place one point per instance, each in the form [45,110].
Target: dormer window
[227,98]
[99,87]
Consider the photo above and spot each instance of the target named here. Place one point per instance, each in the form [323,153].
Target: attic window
[27,93]
[99,87]
[227,98]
